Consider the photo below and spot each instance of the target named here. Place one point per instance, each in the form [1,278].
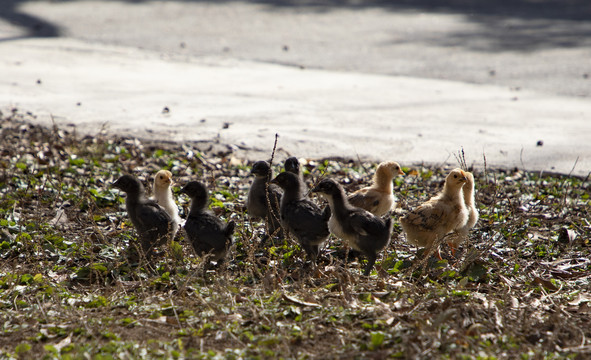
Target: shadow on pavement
[503,25]
[579,10]
[514,25]
[33,26]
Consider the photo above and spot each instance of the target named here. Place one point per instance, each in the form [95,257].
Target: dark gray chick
[363,231]
[206,232]
[262,193]
[293,166]
[300,216]
[151,221]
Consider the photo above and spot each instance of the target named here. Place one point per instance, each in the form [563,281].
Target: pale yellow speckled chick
[440,215]
[461,233]
[378,198]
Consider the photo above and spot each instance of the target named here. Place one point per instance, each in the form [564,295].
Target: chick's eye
[455,176]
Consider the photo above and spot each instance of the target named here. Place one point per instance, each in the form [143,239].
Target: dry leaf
[299,302]
[548,284]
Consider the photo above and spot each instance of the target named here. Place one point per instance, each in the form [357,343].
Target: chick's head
[128,184]
[260,169]
[456,178]
[287,181]
[390,169]
[469,178]
[327,187]
[163,179]
[395,168]
[292,165]
[195,190]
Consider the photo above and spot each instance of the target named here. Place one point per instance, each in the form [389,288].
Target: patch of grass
[73,286]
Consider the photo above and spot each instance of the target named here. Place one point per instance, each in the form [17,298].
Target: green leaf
[22,348]
[26,279]
[38,278]
[377,339]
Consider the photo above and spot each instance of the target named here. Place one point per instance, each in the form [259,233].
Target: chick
[440,215]
[293,166]
[378,198]
[300,216]
[262,194]
[363,231]
[461,233]
[206,232]
[163,196]
[151,221]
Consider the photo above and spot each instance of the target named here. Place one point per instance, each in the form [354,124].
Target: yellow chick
[440,215]
[378,198]
[163,196]
[461,233]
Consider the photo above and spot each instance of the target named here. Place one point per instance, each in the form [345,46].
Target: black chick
[293,166]
[262,193]
[300,216]
[151,221]
[363,231]
[206,232]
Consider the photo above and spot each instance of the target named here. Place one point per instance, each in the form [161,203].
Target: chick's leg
[371,260]
[453,248]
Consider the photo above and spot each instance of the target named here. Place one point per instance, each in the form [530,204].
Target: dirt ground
[519,288]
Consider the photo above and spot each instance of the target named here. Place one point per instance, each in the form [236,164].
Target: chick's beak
[400,172]
[464,177]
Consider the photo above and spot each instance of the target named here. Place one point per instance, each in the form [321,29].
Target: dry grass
[71,289]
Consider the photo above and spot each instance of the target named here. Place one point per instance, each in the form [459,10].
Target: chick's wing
[152,215]
[365,223]
[365,199]
[426,216]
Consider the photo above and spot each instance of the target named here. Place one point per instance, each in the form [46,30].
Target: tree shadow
[578,10]
[503,25]
[33,26]
[496,34]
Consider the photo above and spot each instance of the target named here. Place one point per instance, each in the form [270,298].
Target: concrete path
[316,113]
[539,45]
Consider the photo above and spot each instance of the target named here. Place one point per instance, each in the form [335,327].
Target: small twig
[175,313]
[574,166]
[567,183]
[361,163]
[268,198]
[461,159]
